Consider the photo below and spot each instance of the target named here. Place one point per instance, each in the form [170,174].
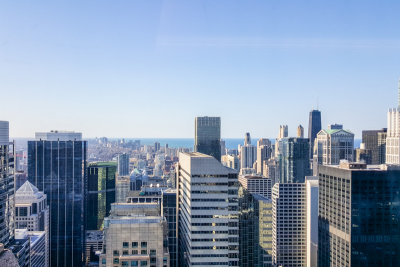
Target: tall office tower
[393,135]
[123,164]
[135,235]
[333,145]
[271,170]
[223,148]
[264,152]
[231,161]
[248,153]
[375,141]
[156,146]
[256,185]
[168,211]
[122,188]
[57,167]
[314,126]
[255,230]
[293,160]
[358,224]
[283,131]
[312,220]
[7,152]
[300,131]
[289,236]
[37,254]
[247,139]
[32,213]
[207,212]
[207,136]
[101,193]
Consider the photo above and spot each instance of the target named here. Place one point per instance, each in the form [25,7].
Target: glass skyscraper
[208,136]
[101,193]
[57,166]
[359,219]
[314,126]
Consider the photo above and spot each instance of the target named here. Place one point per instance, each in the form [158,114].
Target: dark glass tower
[7,153]
[101,193]
[208,136]
[57,166]
[359,219]
[169,212]
[314,126]
[293,160]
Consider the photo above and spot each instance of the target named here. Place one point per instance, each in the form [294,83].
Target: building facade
[101,193]
[169,212]
[314,126]
[256,185]
[207,212]
[289,232]
[293,160]
[135,235]
[57,167]
[208,136]
[375,141]
[123,164]
[264,153]
[358,222]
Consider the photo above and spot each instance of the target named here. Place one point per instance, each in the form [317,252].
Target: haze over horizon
[149,68]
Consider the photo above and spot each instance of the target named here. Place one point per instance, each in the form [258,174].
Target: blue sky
[147,68]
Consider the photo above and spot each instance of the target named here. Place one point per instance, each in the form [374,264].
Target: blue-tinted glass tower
[57,166]
[207,138]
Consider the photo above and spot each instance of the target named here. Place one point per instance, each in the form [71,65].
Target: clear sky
[147,68]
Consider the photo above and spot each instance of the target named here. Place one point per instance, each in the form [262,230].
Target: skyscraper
[123,164]
[283,131]
[300,131]
[293,160]
[6,185]
[393,135]
[208,136]
[314,126]
[332,145]
[256,185]
[101,193]
[248,153]
[374,142]
[57,166]
[264,153]
[207,211]
[358,219]
[289,219]
[168,211]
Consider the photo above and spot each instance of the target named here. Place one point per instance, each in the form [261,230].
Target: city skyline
[131,63]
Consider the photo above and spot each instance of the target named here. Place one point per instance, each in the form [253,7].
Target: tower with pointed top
[393,134]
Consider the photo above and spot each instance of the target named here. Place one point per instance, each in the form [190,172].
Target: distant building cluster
[303,200]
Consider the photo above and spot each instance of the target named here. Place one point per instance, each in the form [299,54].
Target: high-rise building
[36,254]
[255,230]
[223,148]
[135,235]
[256,185]
[208,136]
[21,248]
[375,141]
[168,211]
[7,152]
[231,161]
[293,160]
[300,131]
[393,135]
[93,244]
[264,152]
[32,213]
[101,193]
[271,170]
[332,145]
[283,131]
[248,153]
[208,212]
[314,126]
[358,222]
[57,167]
[289,234]
[312,220]
[156,146]
[122,188]
[123,164]
[363,155]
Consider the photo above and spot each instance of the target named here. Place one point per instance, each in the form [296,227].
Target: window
[116,253]
[143,244]
[103,261]
[143,251]
[125,263]
[152,252]
[135,252]
[125,244]
[23,211]
[143,263]
[134,244]
[125,252]
[116,260]
[134,263]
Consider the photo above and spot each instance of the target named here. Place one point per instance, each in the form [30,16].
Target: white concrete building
[289,232]
[257,185]
[264,152]
[135,235]
[58,136]
[207,211]
[312,220]
[393,136]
